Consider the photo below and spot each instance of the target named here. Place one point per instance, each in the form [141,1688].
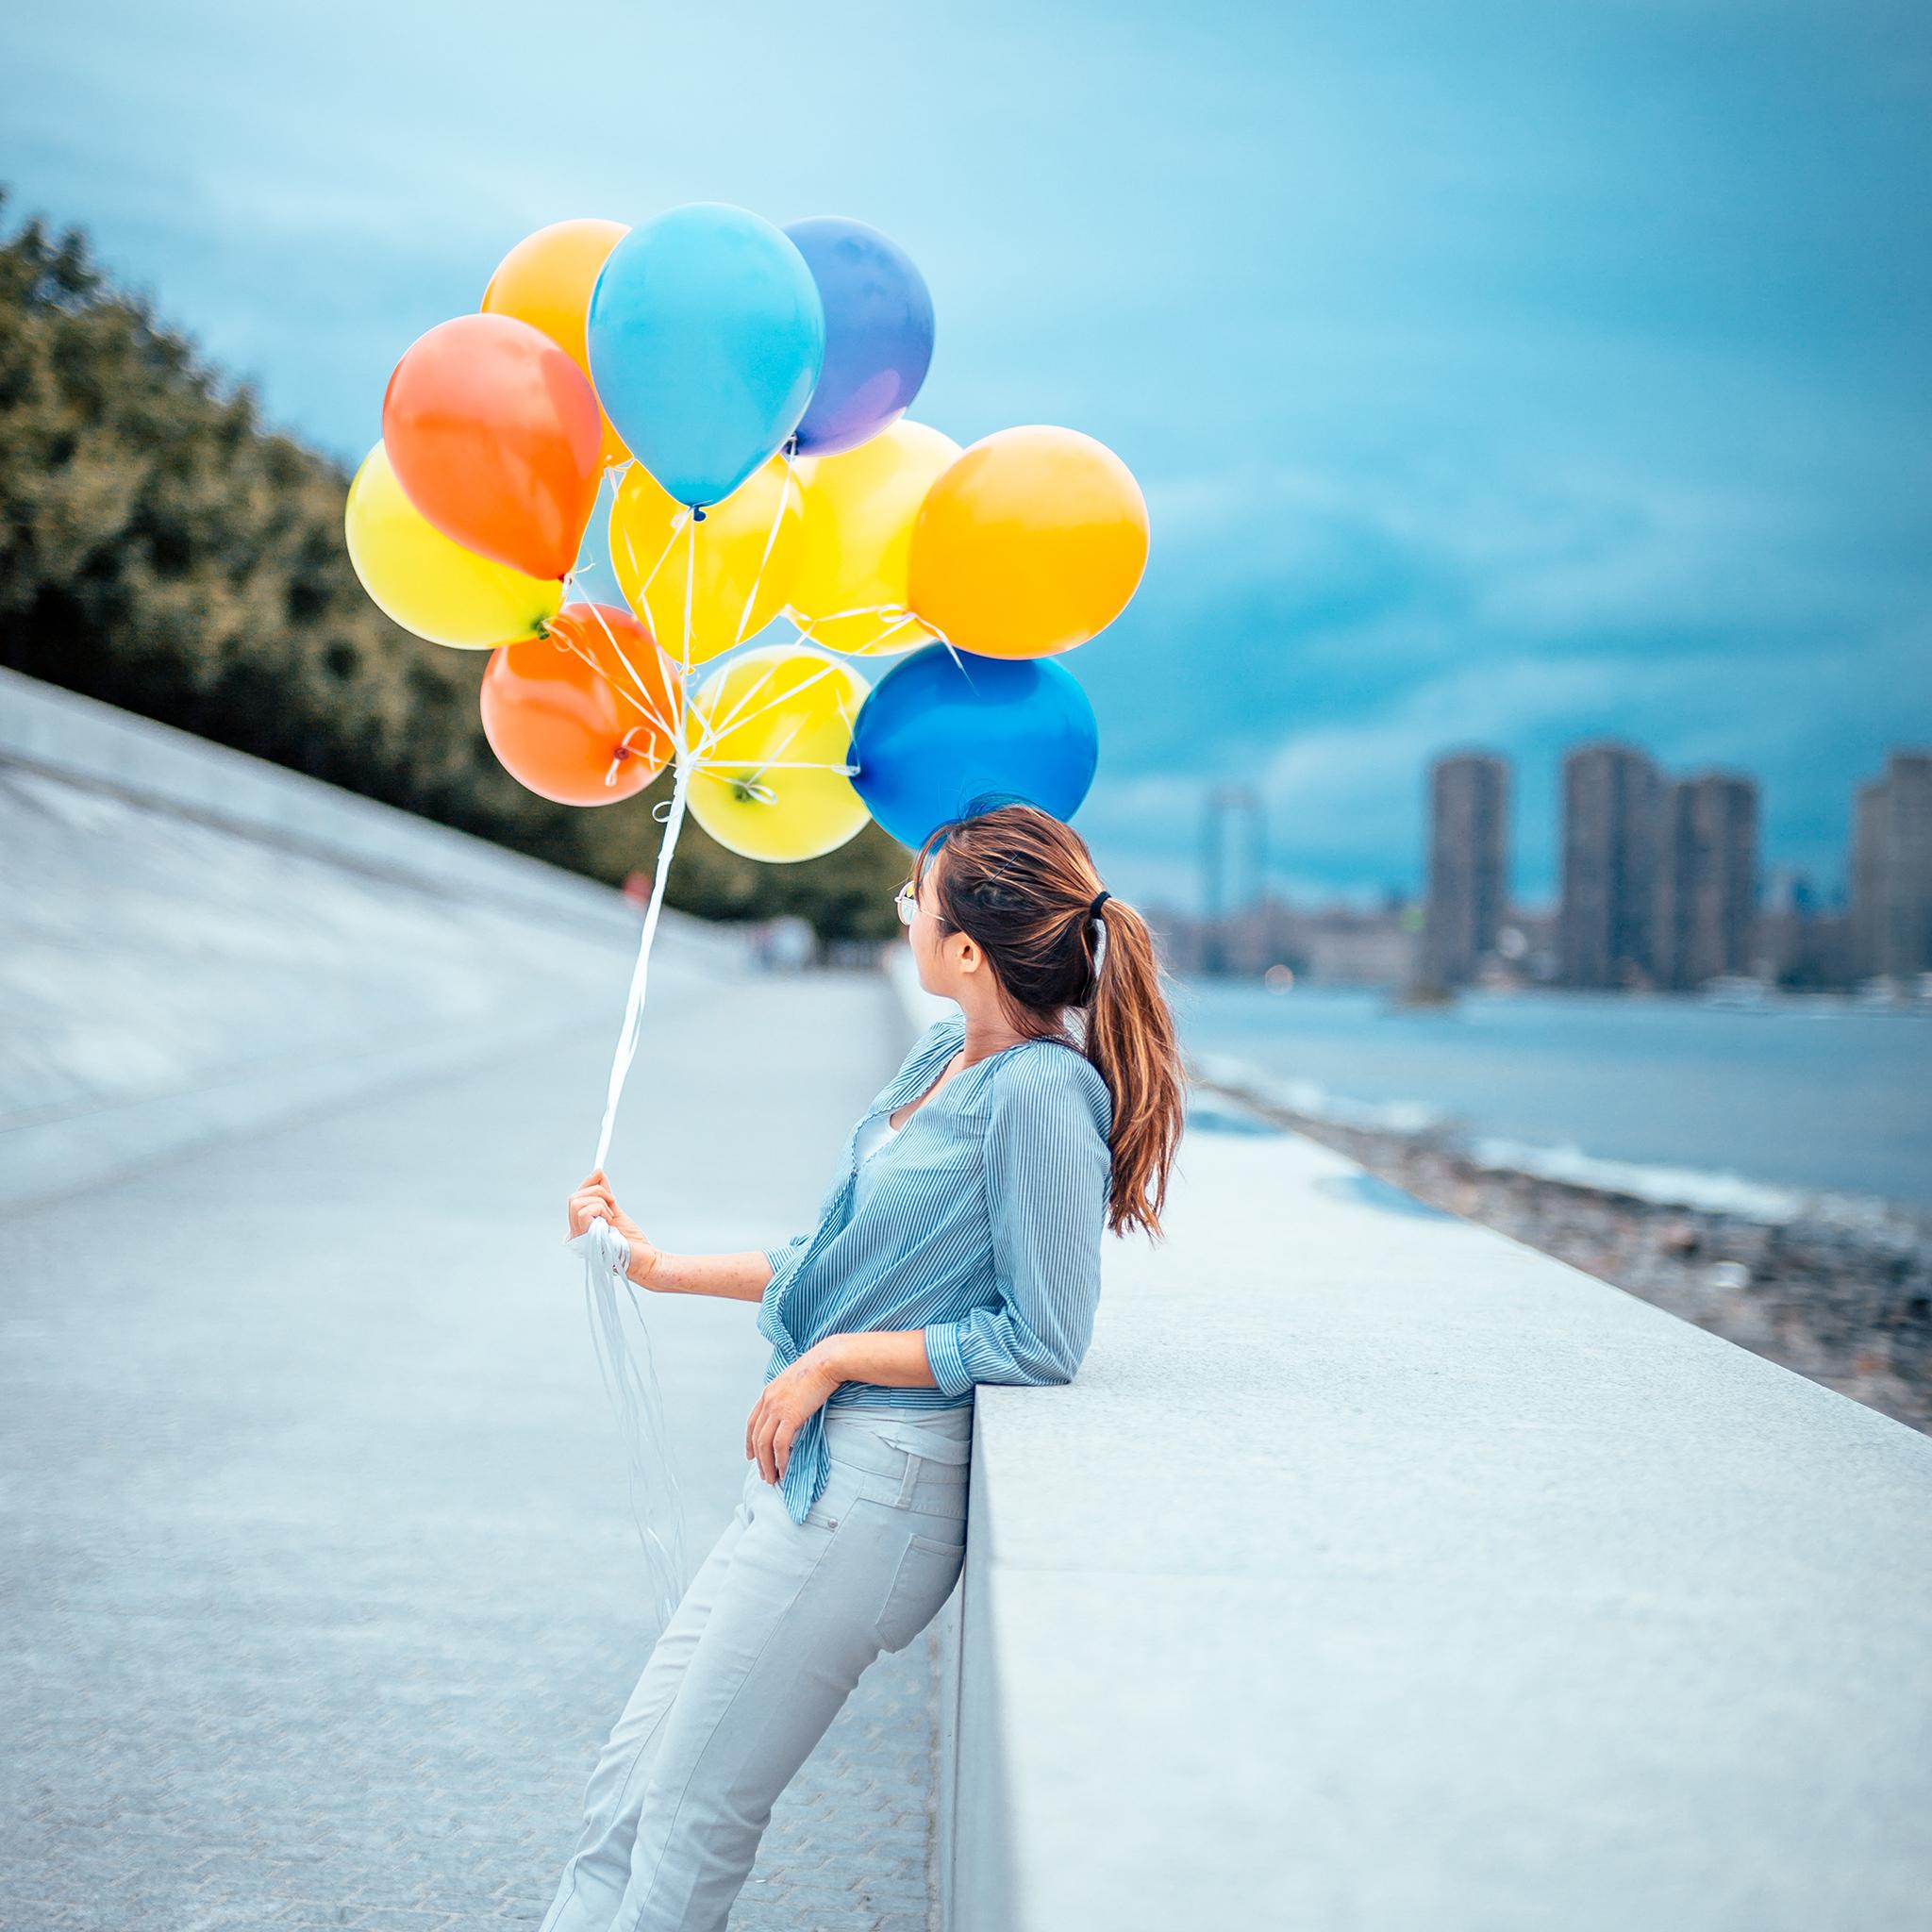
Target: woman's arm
[895,1357]
[734,1278]
[1047,1174]
[740,1277]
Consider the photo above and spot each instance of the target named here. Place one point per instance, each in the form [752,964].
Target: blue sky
[1498,374]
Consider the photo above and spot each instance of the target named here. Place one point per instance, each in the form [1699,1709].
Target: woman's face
[937,951]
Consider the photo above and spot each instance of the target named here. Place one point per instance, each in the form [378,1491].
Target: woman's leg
[593,1884]
[802,1610]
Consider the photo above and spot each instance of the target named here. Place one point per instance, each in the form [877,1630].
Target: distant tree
[162,550]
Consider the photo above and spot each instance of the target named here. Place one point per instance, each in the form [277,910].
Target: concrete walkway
[322,1590]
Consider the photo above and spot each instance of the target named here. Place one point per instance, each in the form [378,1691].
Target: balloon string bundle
[631,1380]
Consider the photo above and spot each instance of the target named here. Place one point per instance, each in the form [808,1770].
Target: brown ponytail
[1022,884]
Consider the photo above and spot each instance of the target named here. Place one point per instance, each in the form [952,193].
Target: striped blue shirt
[979,1222]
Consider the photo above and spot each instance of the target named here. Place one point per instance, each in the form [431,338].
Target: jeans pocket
[832,1499]
[921,1581]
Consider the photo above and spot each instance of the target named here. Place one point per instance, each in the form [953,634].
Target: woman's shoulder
[1050,1078]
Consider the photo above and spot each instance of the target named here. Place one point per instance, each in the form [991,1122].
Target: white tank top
[876,1133]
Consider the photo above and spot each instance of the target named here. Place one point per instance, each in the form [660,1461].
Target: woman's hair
[1019,882]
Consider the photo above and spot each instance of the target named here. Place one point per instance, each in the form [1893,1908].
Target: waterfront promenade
[320,1587]
[1376,1570]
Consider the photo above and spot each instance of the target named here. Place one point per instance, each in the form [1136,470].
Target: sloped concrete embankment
[194,942]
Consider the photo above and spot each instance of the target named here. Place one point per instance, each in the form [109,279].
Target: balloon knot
[697,513]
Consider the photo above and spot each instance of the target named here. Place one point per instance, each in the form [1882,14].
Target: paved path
[320,1590]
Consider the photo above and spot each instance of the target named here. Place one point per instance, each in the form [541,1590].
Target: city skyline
[1256,860]
[1664,887]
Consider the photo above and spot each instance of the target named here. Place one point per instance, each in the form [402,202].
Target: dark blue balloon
[878,332]
[939,731]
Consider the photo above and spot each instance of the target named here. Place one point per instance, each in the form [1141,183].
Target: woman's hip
[885,1539]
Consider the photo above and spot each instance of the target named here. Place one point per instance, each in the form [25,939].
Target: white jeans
[760,1653]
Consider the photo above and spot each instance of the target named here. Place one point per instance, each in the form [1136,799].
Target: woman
[960,1244]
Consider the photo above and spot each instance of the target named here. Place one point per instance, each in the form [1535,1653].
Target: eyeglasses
[907,900]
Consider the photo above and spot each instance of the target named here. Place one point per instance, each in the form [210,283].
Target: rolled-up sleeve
[782,1257]
[1047,1172]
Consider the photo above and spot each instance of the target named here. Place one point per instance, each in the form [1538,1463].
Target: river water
[1805,1094]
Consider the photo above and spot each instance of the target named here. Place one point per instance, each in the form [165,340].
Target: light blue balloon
[707,335]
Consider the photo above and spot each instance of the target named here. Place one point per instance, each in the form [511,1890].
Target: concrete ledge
[1376,1572]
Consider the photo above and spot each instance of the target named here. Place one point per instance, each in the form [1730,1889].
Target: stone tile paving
[319,1592]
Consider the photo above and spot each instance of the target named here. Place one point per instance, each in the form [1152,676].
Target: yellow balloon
[427,582]
[783,714]
[747,550]
[1031,543]
[860,510]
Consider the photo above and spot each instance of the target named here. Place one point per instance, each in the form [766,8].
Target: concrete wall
[194,942]
[77,738]
[1376,1572]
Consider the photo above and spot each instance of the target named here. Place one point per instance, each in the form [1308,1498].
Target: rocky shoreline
[1839,1291]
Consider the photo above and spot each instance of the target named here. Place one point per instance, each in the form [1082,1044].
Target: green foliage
[162,550]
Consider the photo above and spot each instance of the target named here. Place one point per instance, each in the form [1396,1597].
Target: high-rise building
[1469,863]
[1891,868]
[1707,878]
[1610,866]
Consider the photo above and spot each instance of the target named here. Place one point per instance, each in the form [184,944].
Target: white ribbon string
[640,700]
[785,488]
[896,615]
[691,578]
[737,715]
[640,972]
[650,1476]
[608,1287]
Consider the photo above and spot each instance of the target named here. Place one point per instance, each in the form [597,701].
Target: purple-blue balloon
[878,332]
[937,731]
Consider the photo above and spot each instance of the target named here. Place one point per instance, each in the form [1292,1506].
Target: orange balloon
[546,280]
[1032,543]
[586,714]
[494,434]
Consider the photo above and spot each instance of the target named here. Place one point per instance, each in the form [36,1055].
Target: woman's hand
[790,1400]
[593,1197]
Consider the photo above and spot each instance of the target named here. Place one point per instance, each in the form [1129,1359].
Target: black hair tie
[1099,899]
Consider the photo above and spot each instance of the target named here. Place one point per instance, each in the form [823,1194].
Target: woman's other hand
[790,1398]
[593,1198]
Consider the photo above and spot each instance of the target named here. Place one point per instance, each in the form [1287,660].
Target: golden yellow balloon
[771,783]
[859,509]
[1032,543]
[427,582]
[747,551]
[546,280]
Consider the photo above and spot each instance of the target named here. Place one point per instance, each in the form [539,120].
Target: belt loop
[908,1479]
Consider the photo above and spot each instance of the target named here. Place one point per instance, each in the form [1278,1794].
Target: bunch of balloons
[744,388]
